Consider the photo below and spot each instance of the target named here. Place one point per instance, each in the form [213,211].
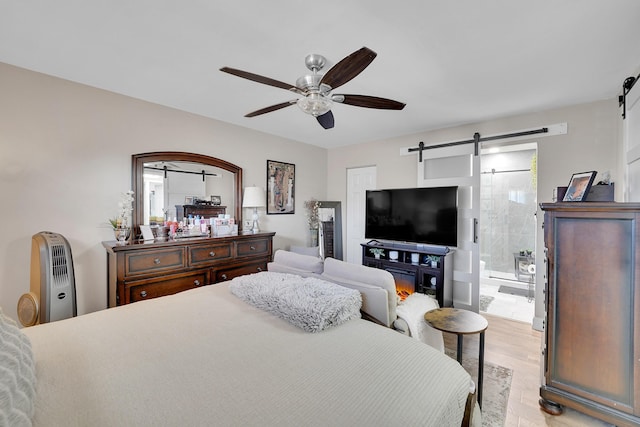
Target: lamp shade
[253,197]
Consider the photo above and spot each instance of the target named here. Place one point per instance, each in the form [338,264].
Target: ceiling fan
[315,88]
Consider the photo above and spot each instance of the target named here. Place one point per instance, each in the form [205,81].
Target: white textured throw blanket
[306,302]
[412,310]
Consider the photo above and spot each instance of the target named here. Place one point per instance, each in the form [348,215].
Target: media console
[415,268]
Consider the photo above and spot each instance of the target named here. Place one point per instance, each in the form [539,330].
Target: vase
[313,234]
[122,234]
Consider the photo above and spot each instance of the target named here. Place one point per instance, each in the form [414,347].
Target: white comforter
[204,357]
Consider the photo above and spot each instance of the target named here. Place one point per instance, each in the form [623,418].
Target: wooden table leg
[461,322]
[480,368]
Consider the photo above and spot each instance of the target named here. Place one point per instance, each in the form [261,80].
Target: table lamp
[254,198]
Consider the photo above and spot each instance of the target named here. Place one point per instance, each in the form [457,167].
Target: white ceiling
[451,62]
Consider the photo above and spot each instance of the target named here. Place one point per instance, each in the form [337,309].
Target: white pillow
[17,375]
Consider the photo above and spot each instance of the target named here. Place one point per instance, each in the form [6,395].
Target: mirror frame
[137,172]
[337,227]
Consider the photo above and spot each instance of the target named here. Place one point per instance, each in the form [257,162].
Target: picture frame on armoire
[579,186]
[280,187]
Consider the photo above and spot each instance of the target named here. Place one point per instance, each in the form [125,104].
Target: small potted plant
[376,252]
[432,260]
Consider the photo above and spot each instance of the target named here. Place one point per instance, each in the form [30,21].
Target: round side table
[461,322]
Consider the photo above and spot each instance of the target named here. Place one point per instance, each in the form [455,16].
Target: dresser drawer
[230,273]
[167,286]
[254,247]
[154,261]
[205,255]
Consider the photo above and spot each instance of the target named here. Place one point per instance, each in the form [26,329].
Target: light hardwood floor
[517,346]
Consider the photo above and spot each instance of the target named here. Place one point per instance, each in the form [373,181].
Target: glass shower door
[508,208]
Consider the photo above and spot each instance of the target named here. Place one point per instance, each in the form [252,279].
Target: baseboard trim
[538,324]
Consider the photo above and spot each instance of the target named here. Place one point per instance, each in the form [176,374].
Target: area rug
[485,300]
[495,389]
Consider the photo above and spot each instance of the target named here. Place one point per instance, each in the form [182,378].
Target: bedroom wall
[65,157]
[592,142]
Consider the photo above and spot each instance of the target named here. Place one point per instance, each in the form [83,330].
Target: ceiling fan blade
[326,120]
[348,68]
[369,102]
[261,79]
[271,108]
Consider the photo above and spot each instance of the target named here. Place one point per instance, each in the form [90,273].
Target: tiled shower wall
[507,209]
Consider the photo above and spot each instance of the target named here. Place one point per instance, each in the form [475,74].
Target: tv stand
[415,267]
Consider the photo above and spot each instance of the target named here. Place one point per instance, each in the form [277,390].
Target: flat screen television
[416,215]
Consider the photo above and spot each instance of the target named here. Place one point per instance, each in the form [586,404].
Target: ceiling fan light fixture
[315,88]
[315,104]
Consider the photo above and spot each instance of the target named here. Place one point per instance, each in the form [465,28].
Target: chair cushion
[349,275]
[301,263]
[305,250]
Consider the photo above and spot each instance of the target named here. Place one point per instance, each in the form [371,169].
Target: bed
[207,357]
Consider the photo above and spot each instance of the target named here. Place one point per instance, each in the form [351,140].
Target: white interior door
[631,129]
[459,166]
[359,180]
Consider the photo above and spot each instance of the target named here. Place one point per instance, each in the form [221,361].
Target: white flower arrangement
[125,207]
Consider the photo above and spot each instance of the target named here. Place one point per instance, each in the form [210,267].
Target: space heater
[53,288]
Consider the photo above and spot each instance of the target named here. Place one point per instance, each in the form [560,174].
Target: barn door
[631,129]
[459,166]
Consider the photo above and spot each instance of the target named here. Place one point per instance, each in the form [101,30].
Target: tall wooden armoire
[592,299]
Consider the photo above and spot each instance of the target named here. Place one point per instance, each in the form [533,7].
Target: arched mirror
[170,184]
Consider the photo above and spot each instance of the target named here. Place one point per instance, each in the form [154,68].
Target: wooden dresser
[592,299]
[328,238]
[138,271]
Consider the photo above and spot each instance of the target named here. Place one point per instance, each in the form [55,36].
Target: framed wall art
[281,178]
[579,186]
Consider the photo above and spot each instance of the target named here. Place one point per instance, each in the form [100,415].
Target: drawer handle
[143,294]
[156,261]
[224,277]
[196,282]
[259,268]
[253,248]
[212,254]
